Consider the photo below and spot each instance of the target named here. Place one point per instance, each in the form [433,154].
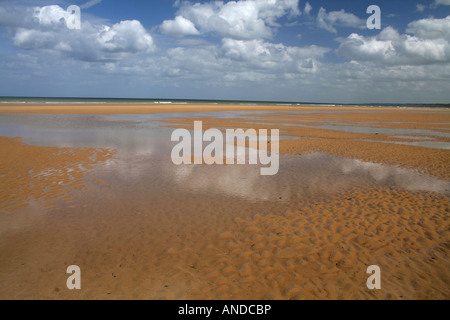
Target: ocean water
[69,100]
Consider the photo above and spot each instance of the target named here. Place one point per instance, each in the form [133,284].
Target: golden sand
[129,109]
[322,251]
[426,160]
[318,250]
[170,108]
[36,173]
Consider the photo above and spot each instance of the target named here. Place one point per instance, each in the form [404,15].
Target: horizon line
[229,100]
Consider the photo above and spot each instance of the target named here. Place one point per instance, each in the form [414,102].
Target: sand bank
[322,251]
[319,251]
[172,108]
[36,173]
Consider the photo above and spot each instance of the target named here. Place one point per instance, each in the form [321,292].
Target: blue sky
[280,50]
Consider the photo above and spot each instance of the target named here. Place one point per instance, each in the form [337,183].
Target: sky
[323,51]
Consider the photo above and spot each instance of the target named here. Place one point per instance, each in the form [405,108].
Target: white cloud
[250,49]
[232,64]
[428,45]
[126,36]
[431,28]
[262,55]
[307,9]
[329,21]
[251,19]
[420,7]
[437,3]
[236,60]
[179,27]
[434,5]
[91,42]
[16,16]
[90,3]
[50,15]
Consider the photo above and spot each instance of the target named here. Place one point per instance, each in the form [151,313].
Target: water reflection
[424,144]
[299,177]
[143,161]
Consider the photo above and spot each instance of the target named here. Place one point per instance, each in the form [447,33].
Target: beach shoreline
[210,233]
[120,108]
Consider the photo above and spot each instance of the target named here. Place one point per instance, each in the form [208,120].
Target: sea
[67,100]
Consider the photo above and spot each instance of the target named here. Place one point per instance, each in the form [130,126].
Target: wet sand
[40,108]
[373,147]
[39,173]
[131,109]
[140,228]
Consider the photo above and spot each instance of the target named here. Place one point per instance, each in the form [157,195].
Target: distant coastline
[64,100]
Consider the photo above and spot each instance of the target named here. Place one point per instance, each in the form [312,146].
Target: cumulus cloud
[307,9]
[329,21]
[92,42]
[438,3]
[238,60]
[431,28]
[179,27]
[16,16]
[251,19]
[429,44]
[126,36]
[269,55]
[50,15]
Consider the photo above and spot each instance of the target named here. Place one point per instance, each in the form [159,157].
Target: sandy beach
[358,186]
[119,108]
